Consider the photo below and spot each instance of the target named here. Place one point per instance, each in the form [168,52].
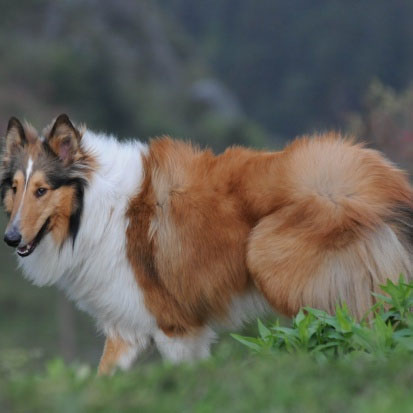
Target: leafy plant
[386,328]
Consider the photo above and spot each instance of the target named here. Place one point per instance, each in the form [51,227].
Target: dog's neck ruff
[95,270]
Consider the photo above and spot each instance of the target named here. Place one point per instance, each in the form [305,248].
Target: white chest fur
[95,273]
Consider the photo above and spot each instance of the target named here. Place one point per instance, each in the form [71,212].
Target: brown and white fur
[165,242]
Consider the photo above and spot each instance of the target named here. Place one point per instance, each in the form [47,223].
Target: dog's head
[42,183]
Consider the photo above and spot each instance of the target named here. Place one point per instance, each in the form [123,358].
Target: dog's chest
[104,286]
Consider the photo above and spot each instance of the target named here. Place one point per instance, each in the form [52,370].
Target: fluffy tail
[344,228]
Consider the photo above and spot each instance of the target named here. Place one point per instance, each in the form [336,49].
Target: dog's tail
[346,225]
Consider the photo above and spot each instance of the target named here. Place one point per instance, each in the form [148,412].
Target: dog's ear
[64,139]
[15,136]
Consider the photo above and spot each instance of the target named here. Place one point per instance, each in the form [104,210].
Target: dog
[164,242]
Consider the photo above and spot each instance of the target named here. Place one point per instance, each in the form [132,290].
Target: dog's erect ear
[15,136]
[64,139]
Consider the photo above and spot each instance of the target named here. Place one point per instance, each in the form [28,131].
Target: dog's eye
[40,192]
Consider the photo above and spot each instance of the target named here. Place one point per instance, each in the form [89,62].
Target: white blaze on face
[29,171]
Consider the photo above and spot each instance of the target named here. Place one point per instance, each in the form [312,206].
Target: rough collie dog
[165,242]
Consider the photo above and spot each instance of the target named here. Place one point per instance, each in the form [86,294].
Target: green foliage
[231,381]
[387,328]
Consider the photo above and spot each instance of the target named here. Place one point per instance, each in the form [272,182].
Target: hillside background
[221,72]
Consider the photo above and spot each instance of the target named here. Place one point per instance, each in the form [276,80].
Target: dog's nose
[12,237]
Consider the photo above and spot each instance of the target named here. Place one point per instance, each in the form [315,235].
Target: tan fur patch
[60,220]
[8,201]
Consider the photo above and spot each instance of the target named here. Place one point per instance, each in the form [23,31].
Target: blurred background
[218,72]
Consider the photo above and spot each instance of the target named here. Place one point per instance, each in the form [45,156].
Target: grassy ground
[232,381]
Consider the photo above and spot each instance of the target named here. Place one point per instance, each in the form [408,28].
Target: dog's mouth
[26,250]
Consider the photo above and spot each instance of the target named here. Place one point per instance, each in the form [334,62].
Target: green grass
[321,363]
[386,329]
[228,382]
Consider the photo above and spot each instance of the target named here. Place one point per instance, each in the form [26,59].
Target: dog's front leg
[120,353]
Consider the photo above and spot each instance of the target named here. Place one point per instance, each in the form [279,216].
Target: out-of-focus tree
[118,65]
[300,65]
[386,121]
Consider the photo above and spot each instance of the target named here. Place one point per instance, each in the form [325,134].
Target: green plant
[386,328]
